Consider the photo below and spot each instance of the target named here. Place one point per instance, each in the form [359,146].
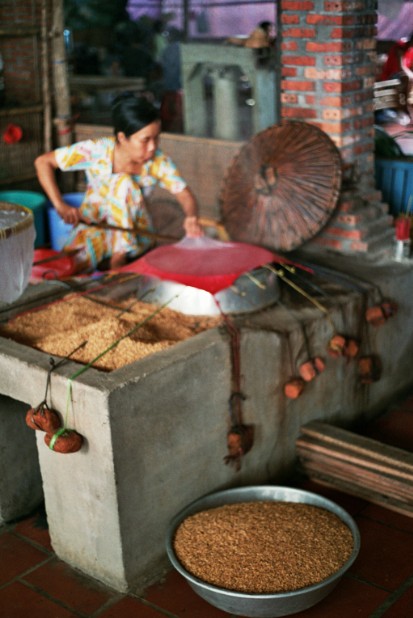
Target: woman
[121,171]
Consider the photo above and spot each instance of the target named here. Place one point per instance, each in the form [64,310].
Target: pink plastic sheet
[202,263]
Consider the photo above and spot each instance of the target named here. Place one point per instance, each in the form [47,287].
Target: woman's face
[141,145]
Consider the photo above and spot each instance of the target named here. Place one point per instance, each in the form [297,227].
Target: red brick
[346,233]
[331,20]
[310,99]
[287,97]
[340,59]
[327,74]
[332,128]
[359,246]
[344,5]
[328,46]
[334,113]
[328,242]
[334,6]
[296,5]
[288,72]
[349,219]
[336,101]
[343,87]
[299,33]
[365,71]
[302,86]
[294,112]
[360,97]
[362,123]
[299,60]
[289,45]
[362,148]
[290,19]
[366,44]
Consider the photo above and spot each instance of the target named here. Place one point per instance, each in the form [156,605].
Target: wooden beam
[357,465]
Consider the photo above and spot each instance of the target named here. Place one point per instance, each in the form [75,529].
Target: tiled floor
[34,583]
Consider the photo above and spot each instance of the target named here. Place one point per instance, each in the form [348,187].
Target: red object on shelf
[12,134]
[402,225]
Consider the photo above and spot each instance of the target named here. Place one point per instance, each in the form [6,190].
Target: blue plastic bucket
[37,203]
[58,229]
[394,178]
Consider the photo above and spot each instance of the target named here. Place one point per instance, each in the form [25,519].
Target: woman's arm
[46,166]
[189,205]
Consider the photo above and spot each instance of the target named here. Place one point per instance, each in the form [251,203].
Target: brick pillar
[328,53]
[327,60]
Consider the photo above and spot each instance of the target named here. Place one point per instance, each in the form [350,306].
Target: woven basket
[17,235]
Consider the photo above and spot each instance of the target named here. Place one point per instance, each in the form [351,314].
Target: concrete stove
[155,430]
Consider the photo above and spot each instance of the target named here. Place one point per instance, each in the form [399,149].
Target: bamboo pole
[63,119]
[45,72]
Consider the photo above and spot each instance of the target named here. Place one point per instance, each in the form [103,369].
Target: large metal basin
[252,291]
[261,605]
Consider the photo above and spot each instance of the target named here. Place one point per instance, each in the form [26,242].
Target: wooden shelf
[18,111]
[20,32]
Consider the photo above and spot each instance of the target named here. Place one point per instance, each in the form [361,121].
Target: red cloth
[392,65]
[62,266]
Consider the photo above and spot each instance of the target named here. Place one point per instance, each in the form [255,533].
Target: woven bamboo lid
[282,187]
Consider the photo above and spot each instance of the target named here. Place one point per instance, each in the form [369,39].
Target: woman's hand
[192,227]
[69,214]
[189,205]
[46,166]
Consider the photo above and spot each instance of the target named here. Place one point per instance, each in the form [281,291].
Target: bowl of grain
[262,551]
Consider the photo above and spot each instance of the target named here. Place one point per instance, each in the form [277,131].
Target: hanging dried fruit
[336,345]
[351,348]
[311,368]
[379,314]
[64,441]
[240,439]
[293,388]
[369,369]
[42,418]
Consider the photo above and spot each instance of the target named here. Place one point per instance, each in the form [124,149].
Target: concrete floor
[35,583]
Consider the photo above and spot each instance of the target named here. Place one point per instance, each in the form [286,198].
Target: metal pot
[252,291]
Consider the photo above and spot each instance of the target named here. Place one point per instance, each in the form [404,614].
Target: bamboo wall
[25,42]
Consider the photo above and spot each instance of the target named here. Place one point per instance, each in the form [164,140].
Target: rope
[300,290]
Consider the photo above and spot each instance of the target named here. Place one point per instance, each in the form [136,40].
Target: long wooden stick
[205,221]
[362,445]
[131,230]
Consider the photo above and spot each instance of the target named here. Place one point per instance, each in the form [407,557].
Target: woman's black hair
[131,113]
[265,25]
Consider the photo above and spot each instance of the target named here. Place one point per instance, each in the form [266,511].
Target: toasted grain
[263,547]
[59,328]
